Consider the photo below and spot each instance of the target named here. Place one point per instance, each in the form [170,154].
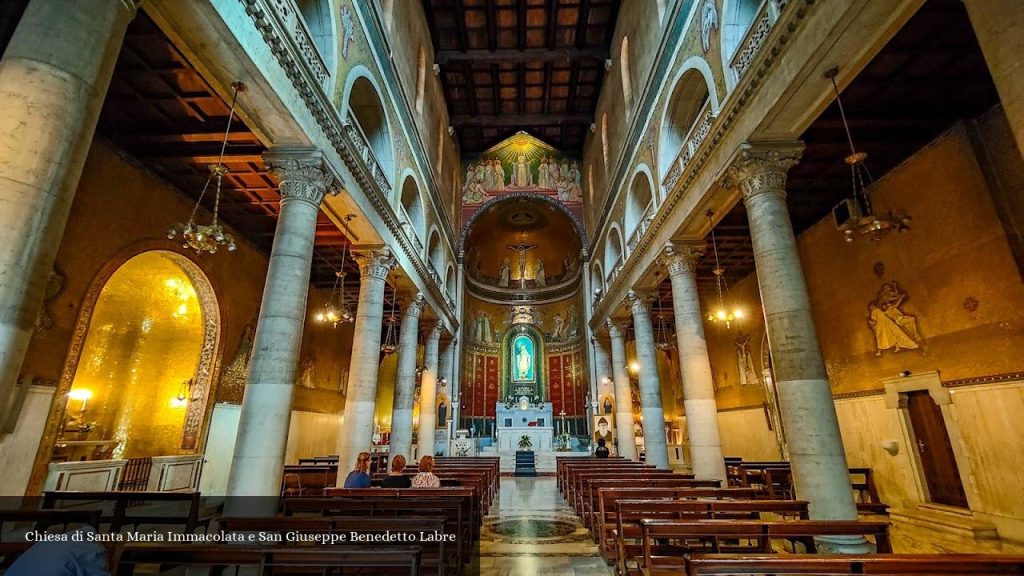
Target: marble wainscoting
[531,531]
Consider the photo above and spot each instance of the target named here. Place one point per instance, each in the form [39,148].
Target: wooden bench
[308,479]
[572,472]
[667,542]
[434,555]
[882,564]
[120,509]
[589,507]
[775,480]
[576,494]
[623,543]
[344,559]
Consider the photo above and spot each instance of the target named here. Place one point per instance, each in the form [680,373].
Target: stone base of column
[626,442]
[844,545]
[705,443]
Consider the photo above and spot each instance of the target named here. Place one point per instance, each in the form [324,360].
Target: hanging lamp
[722,314]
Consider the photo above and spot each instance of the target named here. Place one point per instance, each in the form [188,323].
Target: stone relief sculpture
[745,361]
[894,330]
[708,22]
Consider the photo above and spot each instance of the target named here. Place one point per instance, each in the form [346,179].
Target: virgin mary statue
[523,362]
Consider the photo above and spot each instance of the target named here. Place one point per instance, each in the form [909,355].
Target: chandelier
[390,345]
[721,314]
[336,314]
[210,237]
[854,216]
[662,338]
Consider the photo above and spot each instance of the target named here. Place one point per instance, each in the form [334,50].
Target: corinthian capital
[436,332]
[760,168]
[639,303]
[303,174]
[374,263]
[615,329]
[682,258]
[415,307]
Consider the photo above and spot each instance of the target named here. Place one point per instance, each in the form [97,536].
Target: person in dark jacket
[395,478]
[360,477]
[602,449]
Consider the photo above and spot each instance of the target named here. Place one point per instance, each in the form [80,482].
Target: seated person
[395,478]
[426,478]
[360,477]
[602,449]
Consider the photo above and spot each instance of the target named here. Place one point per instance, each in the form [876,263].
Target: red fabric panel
[491,379]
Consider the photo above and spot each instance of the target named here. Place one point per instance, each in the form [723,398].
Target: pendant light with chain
[209,237]
[337,314]
[390,345]
[723,314]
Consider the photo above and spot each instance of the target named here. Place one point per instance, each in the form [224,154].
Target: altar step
[525,464]
[543,461]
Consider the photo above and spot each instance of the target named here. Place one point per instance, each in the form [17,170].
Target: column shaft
[405,381]
[625,443]
[53,78]
[262,436]
[820,472]
[706,457]
[428,393]
[361,399]
[655,442]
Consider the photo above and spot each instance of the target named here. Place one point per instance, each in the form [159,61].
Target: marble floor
[531,531]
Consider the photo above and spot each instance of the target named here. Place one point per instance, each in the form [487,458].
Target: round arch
[737,17]
[639,199]
[411,201]
[692,87]
[596,277]
[323,29]
[614,249]
[449,281]
[435,250]
[580,230]
[361,99]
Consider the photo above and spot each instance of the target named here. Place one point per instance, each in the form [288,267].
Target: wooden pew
[623,544]
[564,463]
[434,556]
[604,523]
[308,479]
[572,470]
[717,536]
[576,478]
[775,480]
[375,560]
[881,564]
[589,508]
[120,509]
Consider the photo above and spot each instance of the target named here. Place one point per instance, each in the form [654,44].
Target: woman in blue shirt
[360,477]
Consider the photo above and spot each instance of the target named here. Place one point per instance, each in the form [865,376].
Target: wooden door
[935,451]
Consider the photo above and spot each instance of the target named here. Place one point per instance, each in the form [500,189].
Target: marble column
[694,365]
[428,393]
[655,442]
[999,26]
[625,443]
[405,380]
[361,398]
[53,78]
[603,372]
[820,471]
[446,372]
[258,459]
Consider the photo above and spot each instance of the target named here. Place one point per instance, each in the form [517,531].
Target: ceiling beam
[463,120]
[443,57]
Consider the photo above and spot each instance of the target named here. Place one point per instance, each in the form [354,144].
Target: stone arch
[737,17]
[323,29]
[580,230]
[639,199]
[624,69]
[614,249]
[435,251]
[450,281]
[411,201]
[692,87]
[362,102]
[597,276]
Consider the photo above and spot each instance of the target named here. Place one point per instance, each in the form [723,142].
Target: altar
[524,419]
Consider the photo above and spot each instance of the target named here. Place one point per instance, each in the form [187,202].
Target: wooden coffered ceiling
[930,75]
[161,111]
[510,65]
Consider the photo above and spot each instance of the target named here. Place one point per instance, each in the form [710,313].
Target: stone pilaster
[360,402]
[655,442]
[695,367]
[267,405]
[428,392]
[53,78]
[820,472]
[625,443]
[405,380]
[999,26]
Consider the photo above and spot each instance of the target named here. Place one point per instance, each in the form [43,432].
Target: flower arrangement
[524,443]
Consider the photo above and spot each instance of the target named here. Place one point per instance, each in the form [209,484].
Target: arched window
[449,282]
[737,16]
[412,204]
[612,251]
[597,278]
[440,147]
[638,201]
[368,112]
[436,252]
[317,16]
[604,140]
[689,97]
[590,182]
[627,80]
[421,80]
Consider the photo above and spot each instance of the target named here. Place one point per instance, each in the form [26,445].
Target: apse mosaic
[522,163]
